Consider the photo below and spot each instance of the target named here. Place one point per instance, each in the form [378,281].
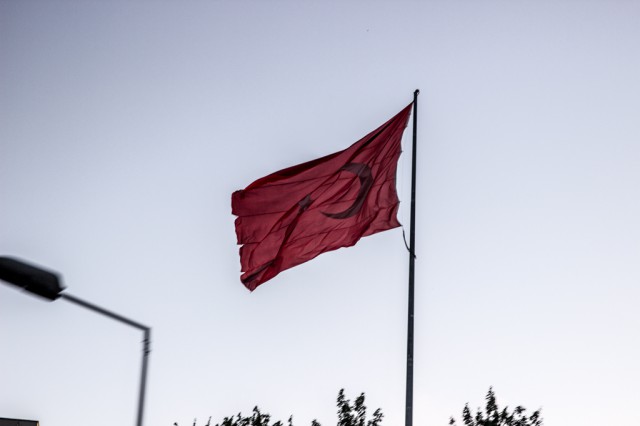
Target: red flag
[295,214]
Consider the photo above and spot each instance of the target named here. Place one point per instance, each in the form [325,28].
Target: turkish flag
[295,214]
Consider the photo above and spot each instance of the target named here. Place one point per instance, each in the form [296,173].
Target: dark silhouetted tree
[257,418]
[356,414]
[348,415]
[493,416]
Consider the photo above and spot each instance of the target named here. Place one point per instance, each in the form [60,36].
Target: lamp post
[47,284]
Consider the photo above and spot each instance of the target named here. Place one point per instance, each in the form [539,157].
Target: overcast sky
[126,125]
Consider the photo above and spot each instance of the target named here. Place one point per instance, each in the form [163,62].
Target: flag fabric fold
[293,215]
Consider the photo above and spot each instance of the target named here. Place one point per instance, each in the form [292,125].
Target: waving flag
[295,214]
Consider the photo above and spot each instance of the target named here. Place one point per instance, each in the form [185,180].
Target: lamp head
[30,278]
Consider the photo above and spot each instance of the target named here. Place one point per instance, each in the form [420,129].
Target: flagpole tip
[417,92]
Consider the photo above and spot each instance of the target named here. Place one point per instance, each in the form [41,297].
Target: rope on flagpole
[404,237]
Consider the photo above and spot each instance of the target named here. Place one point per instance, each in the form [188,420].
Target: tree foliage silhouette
[348,415]
[355,414]
[493,416]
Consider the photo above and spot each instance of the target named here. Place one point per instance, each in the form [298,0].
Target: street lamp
[47,284]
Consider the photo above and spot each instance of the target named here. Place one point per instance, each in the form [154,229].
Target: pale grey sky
[126,126]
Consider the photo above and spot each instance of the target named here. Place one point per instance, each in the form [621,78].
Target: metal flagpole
[412,246]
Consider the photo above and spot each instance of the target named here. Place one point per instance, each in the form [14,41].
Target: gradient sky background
[125,127]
